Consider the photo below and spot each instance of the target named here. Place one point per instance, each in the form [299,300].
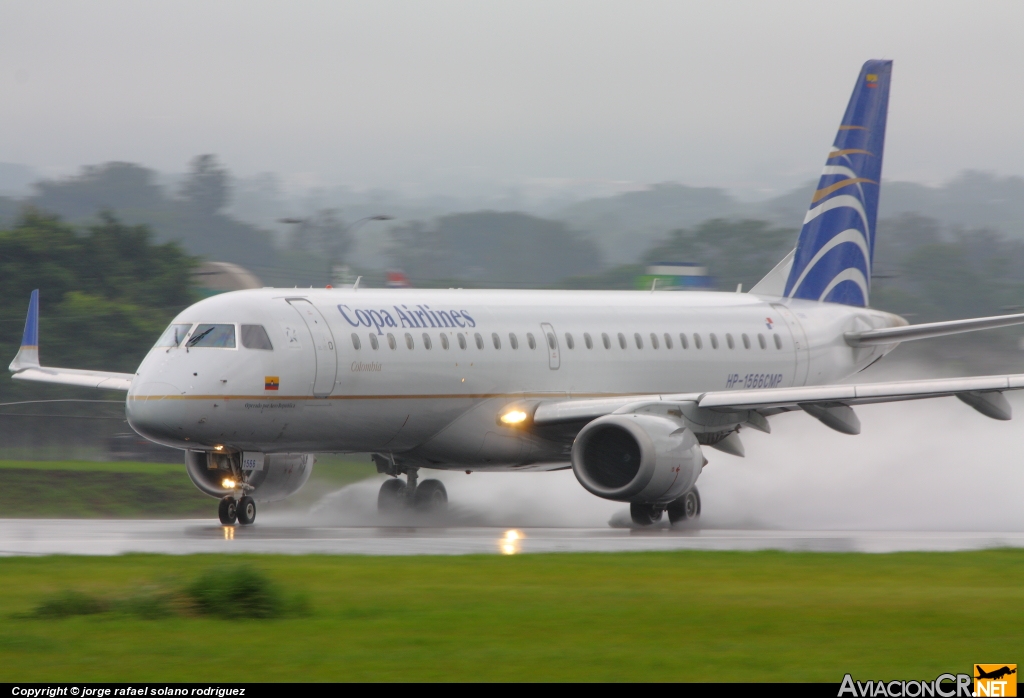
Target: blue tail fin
[833,255]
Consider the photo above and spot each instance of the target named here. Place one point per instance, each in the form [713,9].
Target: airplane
[627,388]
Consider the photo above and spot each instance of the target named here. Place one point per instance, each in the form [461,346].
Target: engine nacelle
[637,458]
[281,475]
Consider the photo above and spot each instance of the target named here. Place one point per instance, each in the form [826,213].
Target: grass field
[81,489]
[690,616]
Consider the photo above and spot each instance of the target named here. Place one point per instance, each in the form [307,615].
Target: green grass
[83,489]
[688,616]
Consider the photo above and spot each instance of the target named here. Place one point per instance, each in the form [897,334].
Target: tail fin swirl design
[837,241]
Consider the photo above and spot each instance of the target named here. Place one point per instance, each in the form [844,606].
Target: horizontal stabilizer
[26,364]
[891,335]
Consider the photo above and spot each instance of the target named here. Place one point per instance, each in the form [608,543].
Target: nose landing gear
[242,510]
[228,510]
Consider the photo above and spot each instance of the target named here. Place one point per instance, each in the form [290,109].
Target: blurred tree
[734,251]
[492,248]
[323,233]
[105,296]
[206,187]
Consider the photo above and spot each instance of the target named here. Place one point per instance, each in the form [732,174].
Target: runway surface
[113,537]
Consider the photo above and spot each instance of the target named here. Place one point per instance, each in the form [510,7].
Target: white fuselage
[447,361]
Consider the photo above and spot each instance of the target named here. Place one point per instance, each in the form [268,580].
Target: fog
[455,96]
[930,465]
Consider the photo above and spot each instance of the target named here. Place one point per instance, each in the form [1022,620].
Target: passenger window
[462,341]
[355,341]
[213,336]
[605,341]
[479,341]
[391,341]
[426,341]
[697,343]
[761,341]
[551,341]
[714,340]
[668,341]
[639,340]
[746,341]
[682,340]
[569,341]
[444,341]
[530,340]
[728,340]
[778,342]
[654,341]
[513,340]
[496,339]
[587,340]
[255,337]
[173,335]
[408,341]
[374,344]
[622,340]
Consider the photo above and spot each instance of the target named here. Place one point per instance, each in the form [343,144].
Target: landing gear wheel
[246,510]
[431,496]
[228,510]
[686,508]
[391,497]
[644,514]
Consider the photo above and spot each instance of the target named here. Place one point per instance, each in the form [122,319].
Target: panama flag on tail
[833,256]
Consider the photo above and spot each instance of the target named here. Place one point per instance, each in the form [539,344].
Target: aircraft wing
[26,364]
[831,404]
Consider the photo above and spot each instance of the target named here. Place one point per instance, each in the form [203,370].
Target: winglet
[28,355]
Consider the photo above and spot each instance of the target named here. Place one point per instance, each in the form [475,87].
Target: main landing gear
[241,510]
[680,511]
[396,495]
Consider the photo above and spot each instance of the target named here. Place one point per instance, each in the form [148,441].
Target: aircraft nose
[151,412]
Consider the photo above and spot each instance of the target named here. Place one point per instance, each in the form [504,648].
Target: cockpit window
[220,336]
[173,335]
[255,337]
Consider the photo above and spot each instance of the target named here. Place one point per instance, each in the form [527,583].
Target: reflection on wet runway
[112,537]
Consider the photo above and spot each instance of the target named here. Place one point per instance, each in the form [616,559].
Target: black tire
[686,508]
[644,514]
[431,496]
[228,510]
[391,497]
[246,510]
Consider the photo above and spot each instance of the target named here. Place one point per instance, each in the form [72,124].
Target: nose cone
[153,412]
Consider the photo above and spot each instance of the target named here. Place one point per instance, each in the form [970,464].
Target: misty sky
[441,96]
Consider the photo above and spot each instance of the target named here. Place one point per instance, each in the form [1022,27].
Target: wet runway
[112,537]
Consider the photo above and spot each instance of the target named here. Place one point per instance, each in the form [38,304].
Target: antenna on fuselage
[355,286]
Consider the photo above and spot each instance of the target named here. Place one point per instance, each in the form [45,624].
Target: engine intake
[282,474]
[637,458]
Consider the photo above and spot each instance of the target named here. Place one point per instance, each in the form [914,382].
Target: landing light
[513,417]
[511,542]
[228,484]
[218,448]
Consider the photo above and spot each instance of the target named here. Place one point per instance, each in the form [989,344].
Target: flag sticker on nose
[271,383]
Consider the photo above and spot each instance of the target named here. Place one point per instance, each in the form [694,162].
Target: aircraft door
[323,344]
[800,344]
[551,343]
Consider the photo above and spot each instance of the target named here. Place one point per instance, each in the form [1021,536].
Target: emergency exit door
[551,344]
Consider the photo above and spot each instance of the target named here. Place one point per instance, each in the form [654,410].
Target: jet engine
[637,458]
[266,478]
